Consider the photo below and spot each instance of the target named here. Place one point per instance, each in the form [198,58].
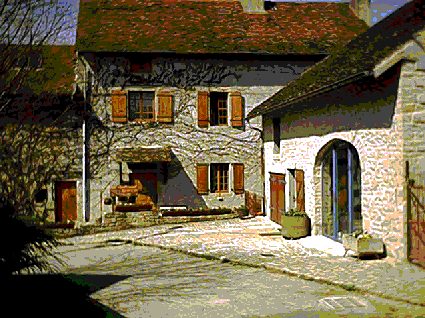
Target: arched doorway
[341,190]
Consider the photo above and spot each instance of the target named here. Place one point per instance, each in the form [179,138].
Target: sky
[379,8]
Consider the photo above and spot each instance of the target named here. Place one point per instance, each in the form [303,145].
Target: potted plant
[363,244]
[295,224]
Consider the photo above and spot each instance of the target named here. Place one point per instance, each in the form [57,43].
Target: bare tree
[37,114]
[25,26]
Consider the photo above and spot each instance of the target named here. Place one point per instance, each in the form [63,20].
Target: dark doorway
[149,182]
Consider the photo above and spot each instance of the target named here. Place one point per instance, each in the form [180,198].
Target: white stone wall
[379,146]
[385,127]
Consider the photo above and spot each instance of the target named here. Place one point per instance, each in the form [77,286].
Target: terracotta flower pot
[294,227]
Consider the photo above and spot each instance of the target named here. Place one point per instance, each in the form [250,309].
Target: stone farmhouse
[168,85]
[346,138]
[40,120]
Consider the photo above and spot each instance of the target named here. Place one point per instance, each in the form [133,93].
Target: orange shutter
[165,107]
[119,106]
[203,118]
[238,178]
[202,178]
[299,188]
[237,109]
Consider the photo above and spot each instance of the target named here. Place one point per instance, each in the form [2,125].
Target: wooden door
[66,201]
[149,181]
[277,196]
[416,225]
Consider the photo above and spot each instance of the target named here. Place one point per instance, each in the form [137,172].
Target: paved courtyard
[253,242]
[144,281]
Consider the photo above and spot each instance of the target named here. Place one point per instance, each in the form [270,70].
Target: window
[41,196]
[216,178]
[276,135]
[218,109]
[30,59]
[219,177]
[214,109]
[141,105]
[140,65]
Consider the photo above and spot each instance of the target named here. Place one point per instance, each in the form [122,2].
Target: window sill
[223,127]
[148,123]
[143,121]
[221,194]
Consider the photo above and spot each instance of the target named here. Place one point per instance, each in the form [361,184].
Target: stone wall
[412,101]
[373,125]
[190,145]
[64,157]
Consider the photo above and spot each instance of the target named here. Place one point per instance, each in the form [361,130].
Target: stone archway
[338,189]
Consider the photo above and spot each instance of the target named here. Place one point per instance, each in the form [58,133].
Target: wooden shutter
[119,106]
[165,107]
[203,118]
[202,178]
[299,188]
[237,109]
[238,178]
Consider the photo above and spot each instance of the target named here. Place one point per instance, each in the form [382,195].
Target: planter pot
[294,227]
[363,246]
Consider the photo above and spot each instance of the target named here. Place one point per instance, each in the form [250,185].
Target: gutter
[317,91]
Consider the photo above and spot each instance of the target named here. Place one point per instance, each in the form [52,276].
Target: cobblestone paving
[251,242]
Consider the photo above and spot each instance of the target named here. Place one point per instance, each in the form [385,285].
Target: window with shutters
[217,109]
[142,106]
[296,189]
[219,177]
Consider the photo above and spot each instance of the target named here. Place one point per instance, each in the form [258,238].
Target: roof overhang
[410,51]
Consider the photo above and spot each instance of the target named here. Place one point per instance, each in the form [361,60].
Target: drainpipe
[86,140]
[86,208]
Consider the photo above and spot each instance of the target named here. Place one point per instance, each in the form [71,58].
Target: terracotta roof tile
[188,26]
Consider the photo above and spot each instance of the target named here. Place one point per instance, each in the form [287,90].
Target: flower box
[295,226]
[363,245]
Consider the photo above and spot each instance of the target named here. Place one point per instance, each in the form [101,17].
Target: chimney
[253,6]
[361,9]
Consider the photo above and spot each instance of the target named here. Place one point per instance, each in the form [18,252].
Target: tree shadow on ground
[55,295]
